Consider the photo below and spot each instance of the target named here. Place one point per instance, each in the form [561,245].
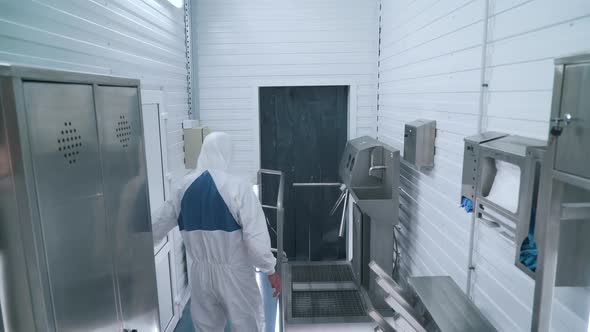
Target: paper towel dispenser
[471,161]
[419,139]
[501,177]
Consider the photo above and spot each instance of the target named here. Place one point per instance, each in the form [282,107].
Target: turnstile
[344,291]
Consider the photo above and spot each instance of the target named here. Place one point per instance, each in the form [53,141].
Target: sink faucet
[374,167]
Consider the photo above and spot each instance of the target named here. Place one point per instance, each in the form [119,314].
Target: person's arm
[168,212]
[255,232]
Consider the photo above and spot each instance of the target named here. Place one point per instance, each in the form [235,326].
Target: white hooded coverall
[225,233]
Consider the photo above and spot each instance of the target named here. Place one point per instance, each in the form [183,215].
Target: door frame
[351,111]
[157,97]
[351,126]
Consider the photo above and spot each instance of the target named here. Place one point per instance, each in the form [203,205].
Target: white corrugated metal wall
[139,39]
[429,67]
[245,44]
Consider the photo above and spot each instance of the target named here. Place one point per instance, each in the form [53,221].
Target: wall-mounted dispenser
[471,161]
[419,139]
[501,177]
[194,135]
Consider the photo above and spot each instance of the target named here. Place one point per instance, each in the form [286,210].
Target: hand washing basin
[370,170]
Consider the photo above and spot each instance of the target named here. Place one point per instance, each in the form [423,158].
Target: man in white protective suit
[225,233]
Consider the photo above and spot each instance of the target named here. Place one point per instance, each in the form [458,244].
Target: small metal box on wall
[419,139]
[194,135]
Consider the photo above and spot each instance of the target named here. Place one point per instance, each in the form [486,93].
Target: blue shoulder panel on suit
[203,208]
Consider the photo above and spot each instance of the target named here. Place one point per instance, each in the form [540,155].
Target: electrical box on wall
[419,139]
[194,135]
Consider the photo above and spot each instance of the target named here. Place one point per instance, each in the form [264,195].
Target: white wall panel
[245,44]
[137,39]
[430,67]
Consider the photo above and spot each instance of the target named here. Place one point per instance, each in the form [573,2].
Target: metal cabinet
[563,216]
[79,194]
[66,161]
[127,202]
[419,146]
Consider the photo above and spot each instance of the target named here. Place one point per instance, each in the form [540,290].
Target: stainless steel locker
[76,251]
[65,154]
[127,202]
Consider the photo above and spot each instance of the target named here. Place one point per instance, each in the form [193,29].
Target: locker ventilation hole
[69,143]
[123,131]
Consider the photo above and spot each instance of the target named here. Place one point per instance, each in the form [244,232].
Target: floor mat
[321,273]
[327,304]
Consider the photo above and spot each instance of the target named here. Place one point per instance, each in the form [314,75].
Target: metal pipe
[316,184]
[270,172]
[343,219]
[335,207]
[280,214]
[281,255]
[372,168]
[480,127]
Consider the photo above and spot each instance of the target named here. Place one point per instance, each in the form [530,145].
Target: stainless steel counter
[449,306]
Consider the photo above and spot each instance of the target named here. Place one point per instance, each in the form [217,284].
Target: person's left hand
[275,281]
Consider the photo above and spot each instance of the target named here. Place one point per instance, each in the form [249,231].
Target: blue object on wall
[467,204]
[528,249]
[529,253]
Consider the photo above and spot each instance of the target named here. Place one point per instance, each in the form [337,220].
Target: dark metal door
[303,131]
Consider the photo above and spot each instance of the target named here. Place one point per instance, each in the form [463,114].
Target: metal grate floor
[327,304]
[321,273]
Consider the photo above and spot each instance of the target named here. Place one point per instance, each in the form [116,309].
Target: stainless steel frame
[438,304]
[76,249]
[479,172]
[527,154]
[318,287]
[370,170]
[279,207]
[563,249]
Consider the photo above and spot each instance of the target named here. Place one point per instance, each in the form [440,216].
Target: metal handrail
[279,208]
[281,256]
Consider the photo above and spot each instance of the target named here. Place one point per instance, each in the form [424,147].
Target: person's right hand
[275,282]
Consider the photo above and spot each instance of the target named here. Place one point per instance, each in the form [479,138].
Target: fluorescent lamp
[177,3]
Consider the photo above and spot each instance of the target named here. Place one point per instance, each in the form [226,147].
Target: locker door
[127,202]
[572,154]
[64,145]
